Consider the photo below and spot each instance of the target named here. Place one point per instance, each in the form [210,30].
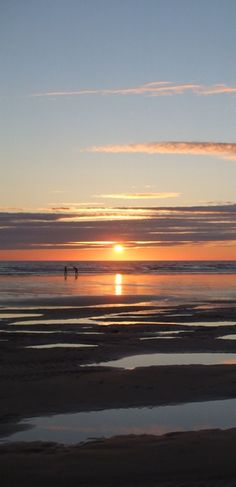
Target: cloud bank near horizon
[134,226]
[223,150]
[155,88]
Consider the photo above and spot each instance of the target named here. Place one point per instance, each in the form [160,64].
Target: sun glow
[118,248]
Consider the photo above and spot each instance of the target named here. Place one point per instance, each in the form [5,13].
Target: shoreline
[49,381]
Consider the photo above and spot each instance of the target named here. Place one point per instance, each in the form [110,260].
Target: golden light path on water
[118,284]
[175,287]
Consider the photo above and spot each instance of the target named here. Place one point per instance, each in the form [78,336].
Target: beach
[118,244]
[62,355]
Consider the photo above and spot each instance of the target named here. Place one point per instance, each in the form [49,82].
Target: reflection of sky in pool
[210,323]
[73,428]
[19,315]
[109,320]
[63,345]
[166,334]
[159,336]
[55,332]
[32,332]
[102,306]
[147,360]
[228,337]
[66,321]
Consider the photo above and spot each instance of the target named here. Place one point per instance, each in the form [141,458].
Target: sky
[117,126]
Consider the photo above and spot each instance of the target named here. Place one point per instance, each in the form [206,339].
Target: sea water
[168,281]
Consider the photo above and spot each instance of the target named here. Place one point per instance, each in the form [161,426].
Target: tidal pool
[63,345]
[78,427]
[66,321]
[166,334]
[32,332]
[149,359]
[209,323]
[49,332]
[19,315]
[228,337]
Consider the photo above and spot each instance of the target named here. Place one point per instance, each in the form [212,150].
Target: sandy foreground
[38,382]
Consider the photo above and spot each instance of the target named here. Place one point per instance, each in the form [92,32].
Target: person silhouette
[65,272]
[75,271]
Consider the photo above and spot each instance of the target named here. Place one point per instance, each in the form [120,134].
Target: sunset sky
[118,123]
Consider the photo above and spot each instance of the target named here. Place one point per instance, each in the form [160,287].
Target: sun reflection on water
[118,284]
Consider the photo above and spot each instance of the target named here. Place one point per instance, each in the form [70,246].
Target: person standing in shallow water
[75,271]
[65,272]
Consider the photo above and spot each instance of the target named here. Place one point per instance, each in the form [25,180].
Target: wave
[24,268]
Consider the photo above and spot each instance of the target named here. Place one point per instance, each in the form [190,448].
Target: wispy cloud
[155,88]
[138,196]
[219,149]
[57,191]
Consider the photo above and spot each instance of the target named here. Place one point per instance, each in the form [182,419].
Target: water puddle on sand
[160,359]
[63,345]
[91,321]
[55,332]
[78,427]
[138,304]
[66,321]
[43,332]
[160,337]
[167,334]
[227,337]
[209,323]
[109,320]
[215,306]
[179,314]
[19,315]
[132,323]
[90,333]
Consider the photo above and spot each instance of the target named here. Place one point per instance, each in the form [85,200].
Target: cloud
[220,149]
[155,88]
[135,226]
[138,196]
[57,191]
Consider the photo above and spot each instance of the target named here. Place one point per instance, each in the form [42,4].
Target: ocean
[169,281]
[56,268]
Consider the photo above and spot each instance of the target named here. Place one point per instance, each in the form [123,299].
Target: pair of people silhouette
[75,269]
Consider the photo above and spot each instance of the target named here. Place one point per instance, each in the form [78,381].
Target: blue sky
[76,76]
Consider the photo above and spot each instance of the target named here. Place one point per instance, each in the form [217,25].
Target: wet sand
[48,381]
[193,459]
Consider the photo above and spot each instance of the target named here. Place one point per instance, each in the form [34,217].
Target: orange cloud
[219,149]
[155,88]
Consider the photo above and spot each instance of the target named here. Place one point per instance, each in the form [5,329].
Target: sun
[118,248]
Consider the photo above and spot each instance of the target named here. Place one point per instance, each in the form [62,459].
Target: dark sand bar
[48,381]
